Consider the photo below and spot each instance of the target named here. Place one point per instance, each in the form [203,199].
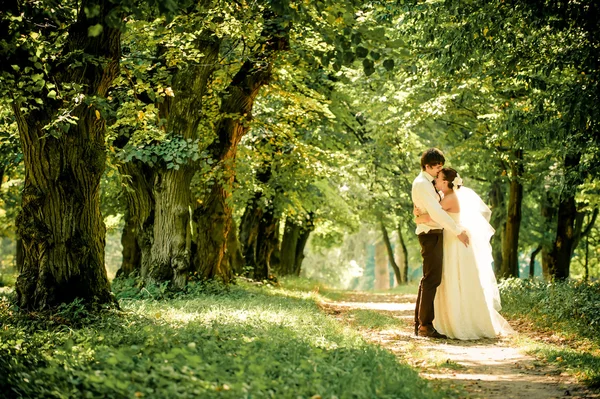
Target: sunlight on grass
[374,320]
[238,342]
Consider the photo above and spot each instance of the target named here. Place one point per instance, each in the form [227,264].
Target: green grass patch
[374,320]
[237,342]
[566,317]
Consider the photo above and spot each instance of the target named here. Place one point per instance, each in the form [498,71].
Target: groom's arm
[435,211]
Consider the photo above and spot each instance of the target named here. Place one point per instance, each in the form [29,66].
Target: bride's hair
[449,175]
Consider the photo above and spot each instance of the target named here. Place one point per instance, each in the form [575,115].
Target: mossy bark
[60,223]
[213,216]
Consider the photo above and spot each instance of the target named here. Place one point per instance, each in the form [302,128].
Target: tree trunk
[586,265]
[132,255]
[233,255]
[548,211]
[268,240]
[403,261]
[291,235]
[172,246]
[390,253]
[301,244]
[259,236]
[498,222]
[532,261]
[563,246]
[171,253]
[60,223]
[510,250]
[213,216]
[138,233]
[250,230]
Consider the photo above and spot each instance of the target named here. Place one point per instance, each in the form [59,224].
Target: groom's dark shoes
[430,332]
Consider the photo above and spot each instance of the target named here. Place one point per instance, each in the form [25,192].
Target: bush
[573,304]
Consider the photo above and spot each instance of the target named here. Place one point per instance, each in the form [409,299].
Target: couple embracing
[458,294]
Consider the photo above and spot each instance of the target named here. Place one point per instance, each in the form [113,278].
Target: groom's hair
[432,157]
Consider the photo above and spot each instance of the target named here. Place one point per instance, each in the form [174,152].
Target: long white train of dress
[466,303]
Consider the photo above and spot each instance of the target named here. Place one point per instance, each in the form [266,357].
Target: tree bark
[498,222]
[301,244]
[60,223]
[259,236]
[291,235]
[403,256]
[139,218]
[171,253]
[510,250]
[532,261]
[548,211]
[233,256]
[566,237]
[390,252]
[213,216]
[132,255]
[249,229]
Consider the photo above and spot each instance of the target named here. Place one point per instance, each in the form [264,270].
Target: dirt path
[489,368]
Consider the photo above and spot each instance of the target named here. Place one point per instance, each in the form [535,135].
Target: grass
[564,323]
[375,320]
[241,342]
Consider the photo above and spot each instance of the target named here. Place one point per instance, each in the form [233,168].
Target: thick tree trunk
[138,233]
[498,222]
[291,234]
[301,244]
[60,222]
[171,253]
[390,252]
[172,246]
[403,258]
[268,240]
[566,236]
[233,255]
[510,250]
[560,257]
[214,214]
[259,236]
[132,255]
[250,230]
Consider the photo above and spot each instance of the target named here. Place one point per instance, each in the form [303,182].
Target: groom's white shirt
[426,199]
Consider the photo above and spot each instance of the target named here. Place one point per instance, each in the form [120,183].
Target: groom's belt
[433,231]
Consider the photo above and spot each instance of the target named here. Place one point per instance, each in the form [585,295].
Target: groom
[426,199]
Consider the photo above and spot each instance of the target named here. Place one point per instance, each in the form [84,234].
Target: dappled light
[299,199]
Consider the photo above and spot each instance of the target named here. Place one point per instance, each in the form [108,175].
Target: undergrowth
[566,316]
[209,341]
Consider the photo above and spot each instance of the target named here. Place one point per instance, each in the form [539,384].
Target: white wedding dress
[467,301]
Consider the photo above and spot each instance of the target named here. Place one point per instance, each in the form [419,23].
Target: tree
[56,81]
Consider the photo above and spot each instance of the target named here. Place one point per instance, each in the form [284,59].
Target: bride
[467,301]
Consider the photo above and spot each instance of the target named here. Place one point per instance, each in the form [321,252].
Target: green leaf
[361,52]
[95,30]
[52,94]
[368,66]
[388,64]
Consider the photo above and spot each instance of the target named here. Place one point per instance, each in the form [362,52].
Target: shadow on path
[487,368]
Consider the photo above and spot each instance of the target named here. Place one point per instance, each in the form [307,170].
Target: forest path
[487,368]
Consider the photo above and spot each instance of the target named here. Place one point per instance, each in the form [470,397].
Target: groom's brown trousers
[432,249]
